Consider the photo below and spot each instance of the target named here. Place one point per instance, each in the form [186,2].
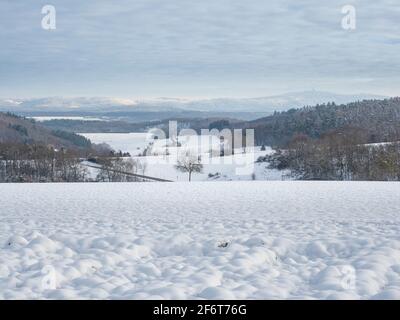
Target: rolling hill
[378,119]
[19,130]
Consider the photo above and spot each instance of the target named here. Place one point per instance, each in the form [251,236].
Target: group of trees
[30,152]
[76,139]
[355,141]
[379,118]
[39,163]
[120,170]
[339,155]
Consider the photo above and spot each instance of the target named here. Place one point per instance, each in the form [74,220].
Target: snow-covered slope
[230,240]
[158,164]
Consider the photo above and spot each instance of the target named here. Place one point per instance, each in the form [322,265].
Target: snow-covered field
[229,240]
[134,142]
[160,165]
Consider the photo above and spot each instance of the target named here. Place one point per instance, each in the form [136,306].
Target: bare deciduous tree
[189,163]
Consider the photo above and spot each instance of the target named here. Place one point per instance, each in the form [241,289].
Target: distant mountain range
[164,108]
[275,103]
[261,104]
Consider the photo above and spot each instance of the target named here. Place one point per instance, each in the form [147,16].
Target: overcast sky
[198,48]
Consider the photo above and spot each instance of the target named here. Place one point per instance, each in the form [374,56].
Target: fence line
[130,174]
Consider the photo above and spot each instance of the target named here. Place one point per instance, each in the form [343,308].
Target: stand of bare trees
[39,163]
[339,155]
[115,169]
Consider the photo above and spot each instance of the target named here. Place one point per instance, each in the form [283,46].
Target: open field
[230,240]
[240,166]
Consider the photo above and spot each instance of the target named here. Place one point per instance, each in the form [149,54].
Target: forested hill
[19,130]
[377,120]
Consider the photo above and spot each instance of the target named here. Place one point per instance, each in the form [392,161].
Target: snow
[229,168]
[49,118]
[200,240]
[239,166]
[134,142]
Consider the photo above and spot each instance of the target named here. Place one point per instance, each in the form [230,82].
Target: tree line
[380,119]
[355,141]
[338,155]
[41,163]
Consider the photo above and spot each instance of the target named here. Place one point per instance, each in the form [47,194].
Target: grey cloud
[137,46]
